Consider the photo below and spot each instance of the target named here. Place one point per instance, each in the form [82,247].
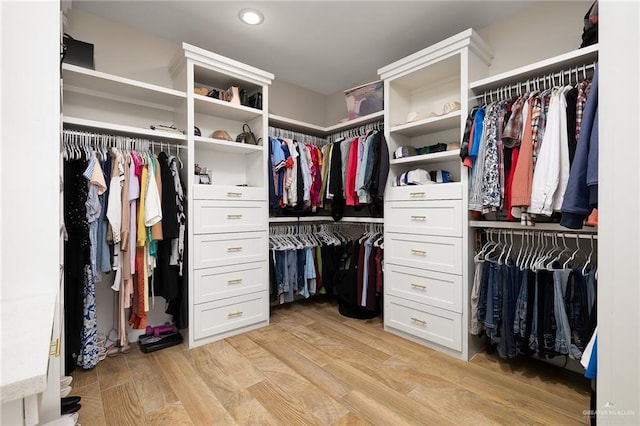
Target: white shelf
[96,83]
[557,63]
[296,125]
[429,125]
[376,116]
[202,142]
[427,158]
[276,220]
[537,227]
[218,108]
[124,130]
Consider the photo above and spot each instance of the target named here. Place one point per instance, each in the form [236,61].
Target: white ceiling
[324,46]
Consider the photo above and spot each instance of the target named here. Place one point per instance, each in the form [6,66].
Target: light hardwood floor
[314,366]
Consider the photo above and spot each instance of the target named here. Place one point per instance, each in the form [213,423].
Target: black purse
[77,52]
[248,137]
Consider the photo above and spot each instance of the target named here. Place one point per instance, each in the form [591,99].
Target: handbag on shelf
[247,136]
[77,52]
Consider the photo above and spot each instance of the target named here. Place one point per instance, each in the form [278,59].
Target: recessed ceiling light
[251,16]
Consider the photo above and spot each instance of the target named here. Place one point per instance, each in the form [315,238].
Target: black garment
[170,226]
[335,183]
[546,318]
[274,202]
[329,269]
[379,181]
[464,146]
[532,285]
[572,98]
[76,257]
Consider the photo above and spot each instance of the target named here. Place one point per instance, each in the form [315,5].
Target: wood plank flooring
[312,366]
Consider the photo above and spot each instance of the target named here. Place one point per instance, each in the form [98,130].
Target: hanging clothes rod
[540,83]
[300,137]
[113,140]
[546,233]
[356,131]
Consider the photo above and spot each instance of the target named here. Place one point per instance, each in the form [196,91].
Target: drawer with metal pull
[434,191]
[229,281]
[440,254]
[214,250]
[425,322]
[210,319]
[232,193]
[429,287]
[440,217]
[228,216]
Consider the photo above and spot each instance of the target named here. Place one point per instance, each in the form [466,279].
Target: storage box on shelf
[228,290]
[426,228]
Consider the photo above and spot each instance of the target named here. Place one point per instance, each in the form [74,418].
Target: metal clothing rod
[560,234]
[357,131]
[543,82]
[112,140]
[300,137]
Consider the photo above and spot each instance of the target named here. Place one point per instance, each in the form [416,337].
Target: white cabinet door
[229,281]
[214,250]
[211,216]
[425,217]
[428,287]
[434,191]
[227,315]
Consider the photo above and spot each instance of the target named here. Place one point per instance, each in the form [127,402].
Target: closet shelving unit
[426,228]
[102,101]
[227,236]
[315,130]
[560,63]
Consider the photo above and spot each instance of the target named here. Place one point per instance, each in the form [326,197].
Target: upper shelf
[97,83]
[124,130]
[225,146]
[429,125]
[218,108]
[557,63]
[315,130]
[427,158]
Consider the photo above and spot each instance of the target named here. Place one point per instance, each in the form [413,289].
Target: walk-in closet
[326,213]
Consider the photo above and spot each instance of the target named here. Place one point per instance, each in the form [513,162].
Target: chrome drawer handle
[419,321]
[416,194]
[234,216]
[233,249]
[418,252]
[418,286]
[234,194]
[415,217]
[236,281]
[234,314]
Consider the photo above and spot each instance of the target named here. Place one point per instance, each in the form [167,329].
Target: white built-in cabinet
[228,273]
[226,252]
[426,237]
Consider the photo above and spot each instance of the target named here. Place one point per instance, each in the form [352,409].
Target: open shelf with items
[80,123]
[228,203]
[426,224]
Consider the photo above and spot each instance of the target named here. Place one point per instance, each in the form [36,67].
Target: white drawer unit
[425,322]
[214,250]
[231,193]
[211,216]
[440,254]
[428,287]
[425,217]
[226,315]
[229,281]
[434,191]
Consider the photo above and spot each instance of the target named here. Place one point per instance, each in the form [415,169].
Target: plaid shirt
[535,114]
[583,91]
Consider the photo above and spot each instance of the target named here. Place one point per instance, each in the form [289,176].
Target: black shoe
[69,400]
[70,409]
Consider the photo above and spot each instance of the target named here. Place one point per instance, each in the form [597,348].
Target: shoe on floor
[71,409]
[69,400]
[65,391]
[66,381]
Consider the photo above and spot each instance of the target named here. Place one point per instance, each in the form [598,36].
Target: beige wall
[548,29]
[122,50]
[292,101]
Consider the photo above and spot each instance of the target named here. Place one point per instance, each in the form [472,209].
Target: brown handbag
[247,136]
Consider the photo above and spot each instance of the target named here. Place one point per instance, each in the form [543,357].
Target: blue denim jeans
[520,318]
[482,299]
[494,300]
[563,331]
[507,345]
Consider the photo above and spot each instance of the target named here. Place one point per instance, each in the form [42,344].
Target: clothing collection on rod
[539,298]
[535,153]
[351,171]
[326,259]
[124,216]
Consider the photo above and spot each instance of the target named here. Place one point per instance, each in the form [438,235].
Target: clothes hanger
[573,255]
[588,261]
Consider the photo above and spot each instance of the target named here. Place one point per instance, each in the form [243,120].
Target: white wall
[544,30]
[122,50]
[292,101]
[619,210]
